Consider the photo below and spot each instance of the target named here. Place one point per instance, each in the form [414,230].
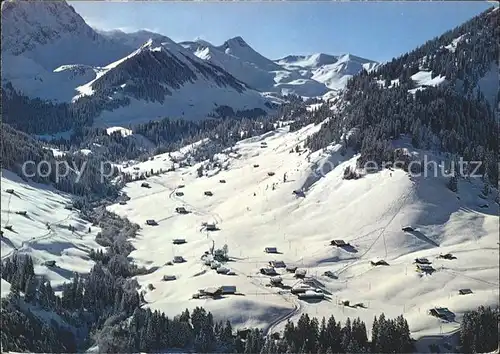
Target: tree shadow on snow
[423,238]
[336,259]
[65,273]
[56,248]
[313,300]
[8,242]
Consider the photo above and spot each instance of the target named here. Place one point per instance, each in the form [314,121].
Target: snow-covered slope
[336,75]
[43,232]
[254,210]
[314,61]
[332,71]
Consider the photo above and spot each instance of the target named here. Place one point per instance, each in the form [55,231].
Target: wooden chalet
[268,271]
[379,262]
[339,243]
[300,273]
[448,256]
[422,261]
[178,259]
[181,210]
[300,289]
[440,312]
[228,289]
[277,280]
[277,264]
[211,227]
[299,193]
[425,268]
[222,270]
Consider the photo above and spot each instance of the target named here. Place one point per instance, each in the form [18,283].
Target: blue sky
[377,30]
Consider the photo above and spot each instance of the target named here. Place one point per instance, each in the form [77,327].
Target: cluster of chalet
[423,265]
[306,290]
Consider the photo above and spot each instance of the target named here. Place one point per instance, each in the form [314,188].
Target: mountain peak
[38,29]
[29,24]
[236,41]
[152,43]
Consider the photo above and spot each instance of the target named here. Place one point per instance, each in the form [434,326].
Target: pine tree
[30,290]
[453,184]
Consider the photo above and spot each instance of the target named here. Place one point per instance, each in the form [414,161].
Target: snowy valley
[259,195]
[252,206]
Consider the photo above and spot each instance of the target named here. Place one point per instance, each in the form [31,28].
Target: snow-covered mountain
[162,76]
[254,73]
[310,76]
[42,39]
[47,33]
[41,60]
